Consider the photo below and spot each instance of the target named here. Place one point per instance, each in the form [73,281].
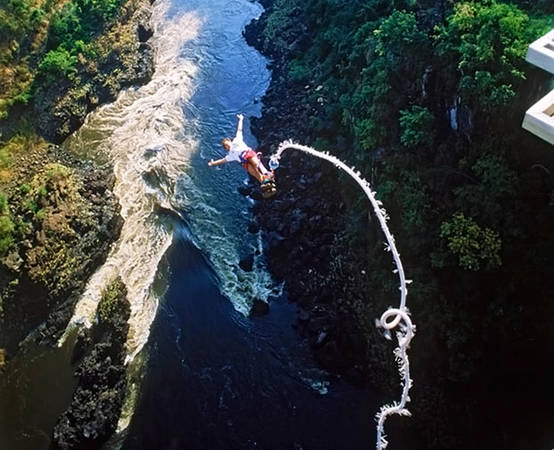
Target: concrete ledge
[539,118]
[541,52]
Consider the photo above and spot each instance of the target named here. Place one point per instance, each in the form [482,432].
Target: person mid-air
[239,151]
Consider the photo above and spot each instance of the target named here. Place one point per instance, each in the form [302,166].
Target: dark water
[213,377]
[37,388]
[219,380]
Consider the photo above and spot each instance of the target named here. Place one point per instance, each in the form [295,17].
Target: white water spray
[392,317]
[143,134]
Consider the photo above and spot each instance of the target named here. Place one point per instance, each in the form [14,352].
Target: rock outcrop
[304,229]
[99,355]
[127,60]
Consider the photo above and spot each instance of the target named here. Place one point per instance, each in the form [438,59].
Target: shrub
[417,127]
[58,63]
[7,228]
[474,246]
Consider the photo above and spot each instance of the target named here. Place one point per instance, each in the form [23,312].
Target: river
[204,374]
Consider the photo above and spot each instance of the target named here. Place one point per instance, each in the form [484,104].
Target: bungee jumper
[239,151]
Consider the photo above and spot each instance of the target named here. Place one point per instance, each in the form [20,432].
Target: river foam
[158,138]
[145,137]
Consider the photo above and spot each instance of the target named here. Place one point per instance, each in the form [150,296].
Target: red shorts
[246,156]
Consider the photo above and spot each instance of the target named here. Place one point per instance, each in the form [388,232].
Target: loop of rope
[392,318]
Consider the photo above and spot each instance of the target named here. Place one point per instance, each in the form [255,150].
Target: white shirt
[238,147]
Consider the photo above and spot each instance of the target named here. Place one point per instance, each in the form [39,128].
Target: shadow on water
[35,389]
[218,380]
[214,379]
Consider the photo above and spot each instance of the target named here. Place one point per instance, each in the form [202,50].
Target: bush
[474,246]
[58,63]
[7,227]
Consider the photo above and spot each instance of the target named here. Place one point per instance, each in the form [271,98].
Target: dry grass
[19,155]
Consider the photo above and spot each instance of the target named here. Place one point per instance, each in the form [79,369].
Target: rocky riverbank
[304,226]
[476,359]
[61,208]
[99,356]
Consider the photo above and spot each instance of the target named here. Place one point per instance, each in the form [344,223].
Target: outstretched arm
[216,162]
[239,125]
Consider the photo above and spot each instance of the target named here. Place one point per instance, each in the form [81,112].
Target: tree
[396,54]
[474,247]
[485,44]
[416,124]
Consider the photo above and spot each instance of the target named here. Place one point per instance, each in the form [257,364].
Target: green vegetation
[430,96]
[393,75]
[474,247]
[44,40]
[71,32]
[416,124]
[485,44]
[7,227]
[57,63]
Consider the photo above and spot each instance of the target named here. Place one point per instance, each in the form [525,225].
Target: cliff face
[477,345]
[126,59]
[59,219]
[61,205]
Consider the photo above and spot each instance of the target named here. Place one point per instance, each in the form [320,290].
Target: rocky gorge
[305,228]
[63,206]
[76,218]
[70,217]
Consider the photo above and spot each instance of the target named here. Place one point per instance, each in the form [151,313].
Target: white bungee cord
[392,318]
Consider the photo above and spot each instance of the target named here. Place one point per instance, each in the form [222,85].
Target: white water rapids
[206,367]
[145,135]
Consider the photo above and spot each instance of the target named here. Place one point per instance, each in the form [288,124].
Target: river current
[160,137]
[203,374]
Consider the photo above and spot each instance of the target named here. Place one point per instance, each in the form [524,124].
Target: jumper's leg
[253,170]
[258,170]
